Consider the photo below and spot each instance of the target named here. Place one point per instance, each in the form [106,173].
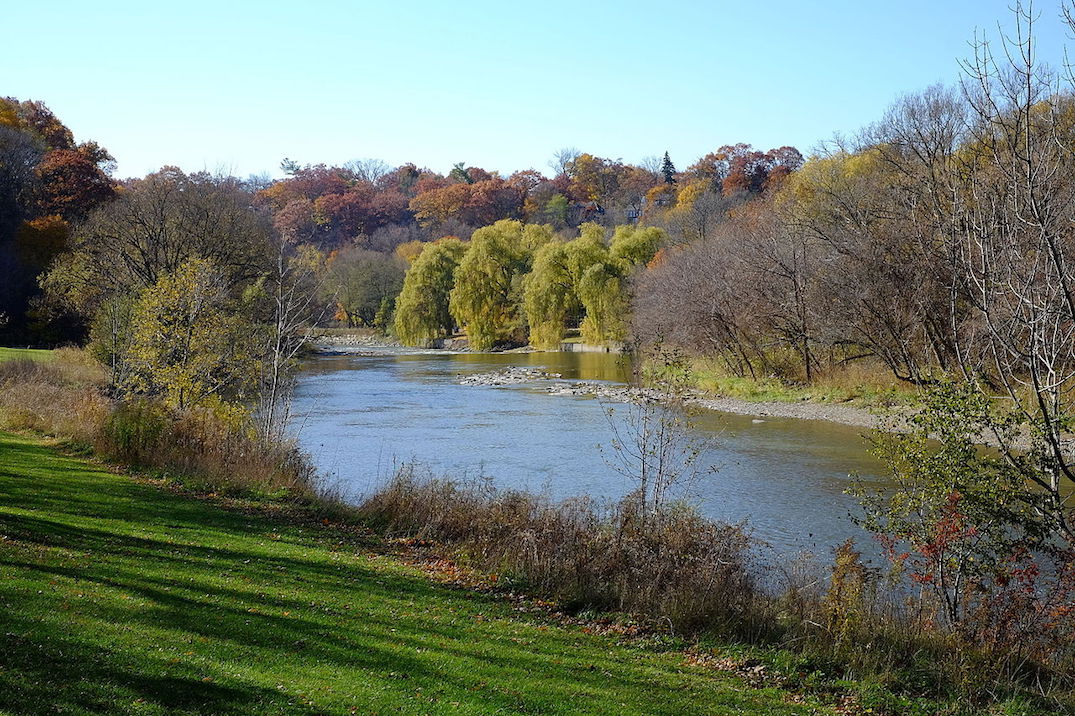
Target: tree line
[522,283]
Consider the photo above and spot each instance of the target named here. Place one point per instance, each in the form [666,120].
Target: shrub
[676,566]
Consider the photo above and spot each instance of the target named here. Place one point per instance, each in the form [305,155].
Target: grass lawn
[120,597]
[32,353]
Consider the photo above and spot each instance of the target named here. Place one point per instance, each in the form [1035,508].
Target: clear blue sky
[499,84]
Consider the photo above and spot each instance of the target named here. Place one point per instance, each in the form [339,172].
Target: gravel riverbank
[843,414]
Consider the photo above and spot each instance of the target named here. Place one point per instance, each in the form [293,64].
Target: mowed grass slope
[119,597]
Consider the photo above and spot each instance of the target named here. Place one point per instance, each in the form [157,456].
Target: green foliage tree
[557,210]
[422,313]
[960,521]
[188,343]
[487,294]
[549,295]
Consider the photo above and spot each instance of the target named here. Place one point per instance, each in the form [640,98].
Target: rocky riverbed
[508,376]
[894,421]
[844,414]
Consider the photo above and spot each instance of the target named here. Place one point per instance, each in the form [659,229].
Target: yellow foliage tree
[486,298]
[189,345]
[422,313]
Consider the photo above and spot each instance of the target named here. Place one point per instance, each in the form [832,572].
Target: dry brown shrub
[206,450]
[677,567]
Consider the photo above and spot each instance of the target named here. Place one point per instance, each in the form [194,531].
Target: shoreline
[804,410]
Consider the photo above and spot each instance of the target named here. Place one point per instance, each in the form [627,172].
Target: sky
[238,86]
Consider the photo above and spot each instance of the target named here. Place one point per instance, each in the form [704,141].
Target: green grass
[121,597]
[862,384]
[32,353]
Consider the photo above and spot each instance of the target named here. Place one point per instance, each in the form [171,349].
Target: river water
[361,415]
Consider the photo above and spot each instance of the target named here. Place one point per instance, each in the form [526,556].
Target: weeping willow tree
[422,313]
[602,273]
[549,295]
[487,296]
[586,273]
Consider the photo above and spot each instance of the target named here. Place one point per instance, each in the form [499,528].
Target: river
[360,415]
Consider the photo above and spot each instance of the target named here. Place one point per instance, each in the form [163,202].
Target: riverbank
[803,410]
[842,414]
[124,597]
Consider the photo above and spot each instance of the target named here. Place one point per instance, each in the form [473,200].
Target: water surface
[360,415]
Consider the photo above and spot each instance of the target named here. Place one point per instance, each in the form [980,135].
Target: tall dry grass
[672,566]
[68,398]
[63,397]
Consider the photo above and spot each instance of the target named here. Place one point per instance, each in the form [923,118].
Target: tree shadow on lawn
[165,576]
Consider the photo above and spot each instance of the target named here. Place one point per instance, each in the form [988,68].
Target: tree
[289,311]
[359,282]
[549,295]
[71,184]
[47,183]
[368,170]
[155,226]
[654,442]
[440,204]
[422,313]
[189,344]
[557,211]
[602,274]
[959,520]
[562,160]
[485,299]
[668,170]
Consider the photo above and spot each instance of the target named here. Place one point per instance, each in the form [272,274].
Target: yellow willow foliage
[422,313]
[601,292]
[589,248]
[410,251]
[549,296]
[485,299]
[820,179]
[635,245]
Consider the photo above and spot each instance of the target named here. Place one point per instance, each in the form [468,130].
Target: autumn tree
[189,345]
[488,283]
[47,183]
[155,226]
[602,286]
[549,296]
[422,313]
[363,283]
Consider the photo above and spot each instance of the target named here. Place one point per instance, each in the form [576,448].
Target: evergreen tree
[668,170]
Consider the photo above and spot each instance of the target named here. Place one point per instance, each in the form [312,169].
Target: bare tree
[291,290]
[368,170]
[654,442]
[1019,252]
[562,159]
[155,226]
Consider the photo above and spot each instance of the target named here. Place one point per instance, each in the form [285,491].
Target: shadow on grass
[120,597]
